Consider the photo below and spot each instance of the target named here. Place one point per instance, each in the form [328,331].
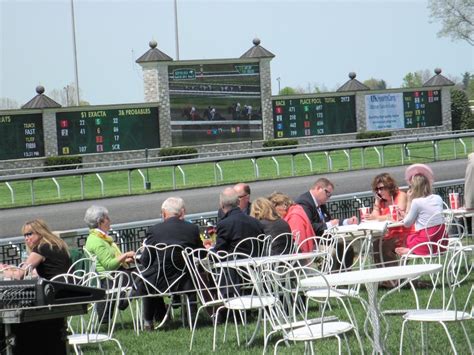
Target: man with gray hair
[235,225]
[243,192]
[174,230]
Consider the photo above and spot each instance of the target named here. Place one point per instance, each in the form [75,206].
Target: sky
[315,42]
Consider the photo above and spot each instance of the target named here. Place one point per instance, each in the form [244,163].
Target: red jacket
[299,222]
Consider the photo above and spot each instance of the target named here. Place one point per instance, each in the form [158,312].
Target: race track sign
[312,116]
[21,136]
[184,74]
[107,130]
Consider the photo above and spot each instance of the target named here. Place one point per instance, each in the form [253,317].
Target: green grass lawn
[201,175]
[174,339]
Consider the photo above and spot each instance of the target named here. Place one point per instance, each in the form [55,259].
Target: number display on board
[21,136]
[312,116]
[107,130]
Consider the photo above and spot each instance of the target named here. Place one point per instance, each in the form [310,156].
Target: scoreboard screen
[398,110]
[422,108]
[312,116]
[21,136]
[107,130]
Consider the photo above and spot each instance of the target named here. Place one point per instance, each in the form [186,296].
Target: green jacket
[105,252]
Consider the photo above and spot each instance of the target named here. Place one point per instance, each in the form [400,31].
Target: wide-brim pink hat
[419,169]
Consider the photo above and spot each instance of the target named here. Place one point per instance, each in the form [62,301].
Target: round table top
[371,275]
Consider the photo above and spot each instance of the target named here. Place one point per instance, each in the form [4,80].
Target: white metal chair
[290,319]
[160,270]
[88,329]
[456,270]
[200,268]
[281,244]
[252,246]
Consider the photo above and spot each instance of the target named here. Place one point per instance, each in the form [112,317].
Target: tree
[67,96]
[457,18]
[286,91]
[375,84]
[8,104]
[416,79]
[461,114]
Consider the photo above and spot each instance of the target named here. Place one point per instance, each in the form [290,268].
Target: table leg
[374,316]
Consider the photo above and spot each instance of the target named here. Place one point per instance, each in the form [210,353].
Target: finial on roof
[352,75]
[40,89]
[437,71]
[152,44]
[256,41]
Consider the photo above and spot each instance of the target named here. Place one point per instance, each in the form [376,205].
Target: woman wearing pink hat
[424,210]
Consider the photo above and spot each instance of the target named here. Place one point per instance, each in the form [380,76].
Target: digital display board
[21,136]
[422,108]
[411,109]
[215,102]
[107,130]
[312,116]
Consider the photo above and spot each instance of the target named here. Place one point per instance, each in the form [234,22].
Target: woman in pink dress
[296,217]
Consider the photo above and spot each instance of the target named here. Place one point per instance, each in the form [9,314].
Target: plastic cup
[393,212]
[454,200]
[363,211]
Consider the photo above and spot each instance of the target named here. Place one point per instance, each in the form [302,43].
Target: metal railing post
[57,186]
[310,162]
[182,174]
[277,166]
[101,183]
[349,160]
[12,193]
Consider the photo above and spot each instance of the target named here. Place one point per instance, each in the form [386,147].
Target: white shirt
[425,212]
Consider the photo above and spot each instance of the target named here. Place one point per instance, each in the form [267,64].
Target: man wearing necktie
[314,204]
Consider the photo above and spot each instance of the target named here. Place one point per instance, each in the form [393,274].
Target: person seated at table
[48,256]
[387,193]
[102,245]
[108,255]
[273,225]
[314,203]
[174,230]
[296,218]
[235,225]
[424,210]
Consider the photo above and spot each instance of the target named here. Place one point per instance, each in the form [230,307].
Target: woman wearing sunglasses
[387,193]
[48,257]
[48,254]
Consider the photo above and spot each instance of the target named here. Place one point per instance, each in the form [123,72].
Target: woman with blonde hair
[273,225]
[297,219]
[48,254]
[424,211]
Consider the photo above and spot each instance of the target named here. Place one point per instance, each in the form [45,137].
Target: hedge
[373,134]
[275,144]
[67,163]
[177,153]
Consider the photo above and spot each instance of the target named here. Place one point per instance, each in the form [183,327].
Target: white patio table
[371,278]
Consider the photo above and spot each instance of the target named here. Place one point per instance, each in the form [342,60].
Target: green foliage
[461,114]
[416,79]
[373,135]
[456,17]
[177,153]
[287,91]
[275,144]
[69,162]
[376,84]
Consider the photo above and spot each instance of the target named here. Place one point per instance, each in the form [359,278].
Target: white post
[75,51]
[176,28]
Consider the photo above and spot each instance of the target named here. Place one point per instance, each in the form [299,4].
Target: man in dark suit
[243,191]
[163,269]
[235,225]
[314,204]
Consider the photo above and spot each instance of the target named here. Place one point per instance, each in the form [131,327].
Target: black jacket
[307,202]
[233,227]
[172,231]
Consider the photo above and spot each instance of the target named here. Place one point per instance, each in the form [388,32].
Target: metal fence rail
[327,149]
[129,236]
